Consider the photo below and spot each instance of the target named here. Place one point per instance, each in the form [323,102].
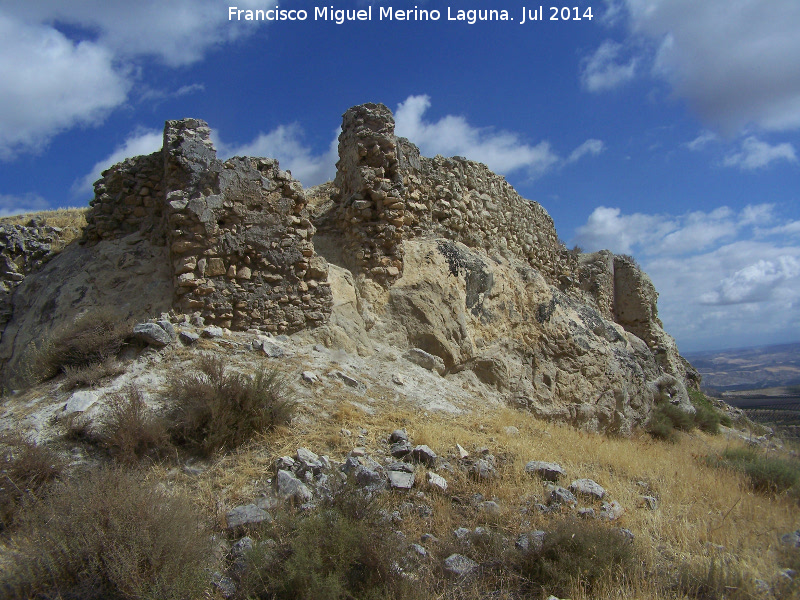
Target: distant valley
[748,368]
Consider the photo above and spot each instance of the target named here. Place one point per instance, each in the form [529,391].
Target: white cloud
[602,70]
[589,147]
[285,143]
[26,203]
[451,135]
[177,33]
[725,277]
[702,140]
[49,83]
[756,154]
[140,142]
[734,62]
[152,95]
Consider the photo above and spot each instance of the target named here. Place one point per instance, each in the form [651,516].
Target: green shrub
[766,473]
[707,417]
[666,419]
[108,535]
[578,554]
[25,470]
[215,409]
[129,429]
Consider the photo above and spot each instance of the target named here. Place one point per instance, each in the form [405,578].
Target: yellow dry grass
[705,515]
[71,220]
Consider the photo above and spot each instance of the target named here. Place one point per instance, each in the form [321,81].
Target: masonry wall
[388,193]
[239,236]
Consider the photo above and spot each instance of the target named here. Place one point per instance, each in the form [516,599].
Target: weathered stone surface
[424,455]
[81,401]
[401,480]
[437,481]
[546,470]
[611,511]
[247,514]
[291,488]
[153,334]
[531,541]
[561,496]
[460,566]
[587,487]
[425,360]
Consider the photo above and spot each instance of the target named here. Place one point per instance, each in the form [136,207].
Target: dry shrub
[216,409]
[108,535]
[91,375]
[92,339]
[25,470]
[130,430]
[579,554]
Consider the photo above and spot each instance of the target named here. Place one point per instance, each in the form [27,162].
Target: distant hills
[748,368]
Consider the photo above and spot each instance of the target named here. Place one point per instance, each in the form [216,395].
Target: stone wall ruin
[238,232]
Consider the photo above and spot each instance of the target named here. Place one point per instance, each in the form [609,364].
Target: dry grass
[707,518]
[71,220]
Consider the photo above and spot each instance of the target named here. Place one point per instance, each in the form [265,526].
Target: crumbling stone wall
[238,232]
[388,192]
[23,249]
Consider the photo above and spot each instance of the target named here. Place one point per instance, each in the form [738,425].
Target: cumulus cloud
[286,143]
[726,277]
[734,64]
[755,154]
[602,70]
[50,83]
[177,33]
[11,204]
[140,142]
[452,136]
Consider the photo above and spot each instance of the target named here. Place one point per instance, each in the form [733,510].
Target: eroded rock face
[439,258]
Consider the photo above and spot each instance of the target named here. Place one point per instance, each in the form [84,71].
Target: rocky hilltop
[438,259]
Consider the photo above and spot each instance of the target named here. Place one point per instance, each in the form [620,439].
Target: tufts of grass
[579,555]
[666,419]
[26,469]
[130,430]
[769,474]
[217,409]
[340,551]
[78,349]
[108,535]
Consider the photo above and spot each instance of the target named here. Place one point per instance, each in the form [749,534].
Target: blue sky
[665,129]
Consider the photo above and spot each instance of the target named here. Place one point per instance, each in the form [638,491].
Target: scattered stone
[247,514]
[511,430]
[462,533]
[309,377]
[424,455]
[587,487]
[291,488]
[398,435]
[483,469]
[426,360]
[225,584]
[791,539]
[358,451]
[212,332]
[81,401]
[437,481]
[400,449]
[419,550]
[625,533]
[272,350]
[309,461]
[460,566]
[152,334]
[561,496]
[586,513]
[400,480]
[611,511]
[284,463]
[398,379]
[188,337]
[491,507]
[350,382]
[546,470]
[462,454]
[242,546]
[649,502]
[531,541]
[428,538]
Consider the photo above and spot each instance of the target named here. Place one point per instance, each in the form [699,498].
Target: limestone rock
[546,470]
[153,334]
[460,566]
[587,487]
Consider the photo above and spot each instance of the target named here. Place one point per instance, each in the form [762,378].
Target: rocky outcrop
[437,257]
